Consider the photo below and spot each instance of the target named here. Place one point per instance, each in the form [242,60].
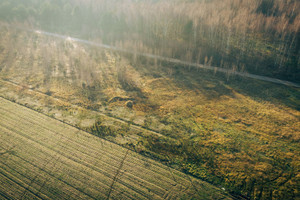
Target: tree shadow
[264,91]
[215,85]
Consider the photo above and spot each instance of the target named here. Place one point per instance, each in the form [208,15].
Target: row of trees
[260,37]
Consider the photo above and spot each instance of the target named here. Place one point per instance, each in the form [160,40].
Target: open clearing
[42,158]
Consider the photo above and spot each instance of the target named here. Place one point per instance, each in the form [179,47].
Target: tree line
[260,37]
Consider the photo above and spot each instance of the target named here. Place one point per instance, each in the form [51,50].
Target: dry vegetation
[240,134]
[42,158]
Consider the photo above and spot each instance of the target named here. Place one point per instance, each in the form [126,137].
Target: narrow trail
[172,60]
[161,58]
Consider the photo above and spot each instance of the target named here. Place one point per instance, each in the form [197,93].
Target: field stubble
[48,159]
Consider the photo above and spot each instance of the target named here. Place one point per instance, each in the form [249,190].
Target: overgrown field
[42,158]
[239,134]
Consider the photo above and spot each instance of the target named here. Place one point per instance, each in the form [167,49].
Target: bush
[101,130]
[266,7]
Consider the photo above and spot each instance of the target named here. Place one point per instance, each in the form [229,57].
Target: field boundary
[112,117]
[128,149]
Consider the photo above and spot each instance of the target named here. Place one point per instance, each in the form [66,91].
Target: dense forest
[260,37]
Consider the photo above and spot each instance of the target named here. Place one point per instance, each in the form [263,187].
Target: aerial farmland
[144,99]
[42,158]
